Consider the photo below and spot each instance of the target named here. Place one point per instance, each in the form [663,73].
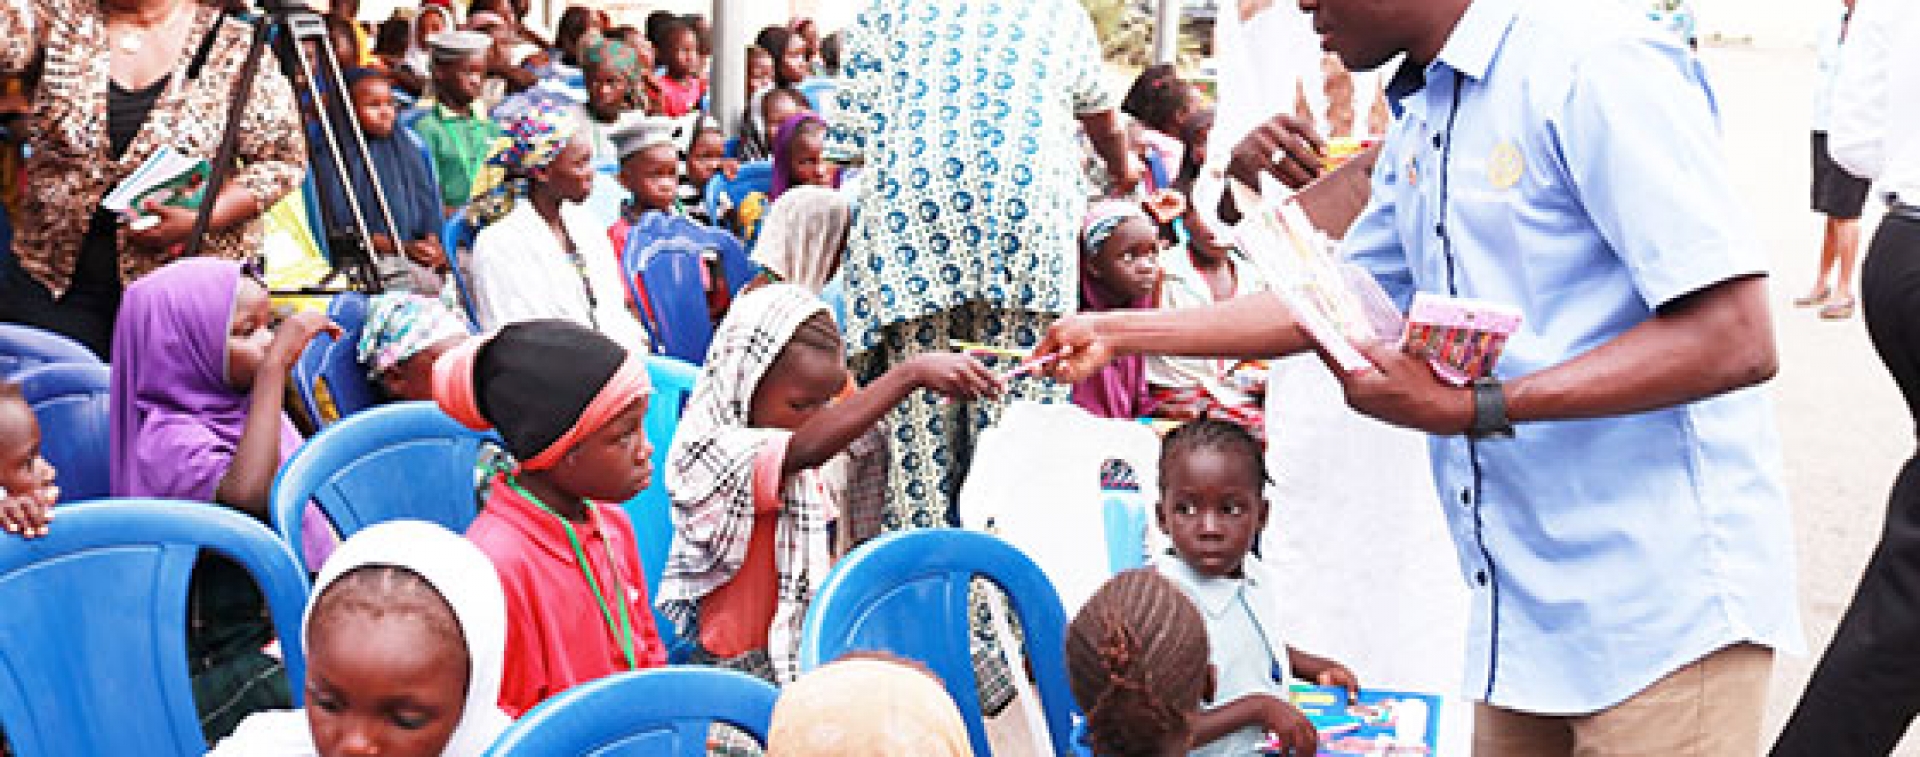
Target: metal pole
[1166,30]
[729,75]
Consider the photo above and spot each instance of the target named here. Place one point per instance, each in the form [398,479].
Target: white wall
[1770,23]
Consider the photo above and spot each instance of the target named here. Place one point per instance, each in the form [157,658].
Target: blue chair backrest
[328,377]
[654,227]
[457,237]
[399,460]
[819,92]
[73,404]
[93,639]
[756,176]
[906,593]
[316,221]
[651,511]
[664,712]
[23,347]
[682,326]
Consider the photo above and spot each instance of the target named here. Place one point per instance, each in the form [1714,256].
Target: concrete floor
[1845,428]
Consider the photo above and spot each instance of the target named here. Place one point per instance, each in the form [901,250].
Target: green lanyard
[623,632]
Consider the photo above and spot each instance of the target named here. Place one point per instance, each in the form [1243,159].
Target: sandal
[1817,297]
[1838,310]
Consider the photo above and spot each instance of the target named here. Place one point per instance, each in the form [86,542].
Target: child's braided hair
[1137,662]
[1215,434]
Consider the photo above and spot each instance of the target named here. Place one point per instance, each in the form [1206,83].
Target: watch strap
[1490,410]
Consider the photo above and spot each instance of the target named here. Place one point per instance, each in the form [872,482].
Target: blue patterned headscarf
[1103,218]
[536,128]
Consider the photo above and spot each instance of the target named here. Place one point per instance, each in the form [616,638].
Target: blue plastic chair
[664,712]
[756,176]
[680,323]
[23,347]
[72,403]
[328,377]
[457,237]
[654,227]
[399,460]
[819,92]
[93,639]
[906,593]
[652,511]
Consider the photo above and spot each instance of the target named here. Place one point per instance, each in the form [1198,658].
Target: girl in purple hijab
[1119,269]
[198,380]
[799,155]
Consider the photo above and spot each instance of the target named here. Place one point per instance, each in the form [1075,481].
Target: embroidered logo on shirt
[1505,166]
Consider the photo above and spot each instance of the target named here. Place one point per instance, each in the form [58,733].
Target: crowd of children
[421,641]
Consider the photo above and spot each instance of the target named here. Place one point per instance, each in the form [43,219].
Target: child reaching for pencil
[27,492]
[1211,507]
[751,503]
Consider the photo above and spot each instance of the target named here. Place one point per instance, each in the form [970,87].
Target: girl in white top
[539,253]
[404,639]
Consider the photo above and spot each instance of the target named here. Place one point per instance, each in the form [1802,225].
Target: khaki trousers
[1712,707]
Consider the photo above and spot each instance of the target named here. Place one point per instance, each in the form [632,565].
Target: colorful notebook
[1381,722]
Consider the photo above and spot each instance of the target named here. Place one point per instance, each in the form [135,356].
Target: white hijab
[804,235]
[465,578]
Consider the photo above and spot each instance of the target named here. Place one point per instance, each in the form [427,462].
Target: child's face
[387,684]
[373,105]
[1128,265]
[609,92]
[1204,242]
[759,71]
[776,110]
[611,464]
[801,382]
[23,472]
[570,174]
[250,334]
[1212,508]
[653,176]
[797,64]
[809,159]
[412,379]
[705,159]
[458,83]
[683,55]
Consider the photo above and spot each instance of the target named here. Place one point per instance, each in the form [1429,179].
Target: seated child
[404,335]
[1205,270]
[409,254]
[649,153]
[1119,269]
[799,154]
[1212,474]
[27,492]
[803,238]
[539,253]
[706,157]
[751,506]
[1137,663]
[867,705]
[612,73]
[682,86]
[404,641]
[766,111]
[452,121]
[799,159]
[199,378]
[569,404]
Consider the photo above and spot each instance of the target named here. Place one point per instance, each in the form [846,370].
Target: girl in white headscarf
[803,238]
[404,641]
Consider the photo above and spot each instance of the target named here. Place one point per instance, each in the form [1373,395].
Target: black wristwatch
[1490,411]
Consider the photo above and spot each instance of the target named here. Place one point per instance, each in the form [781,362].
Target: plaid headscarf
[536,128]
[611,53]
[399,326]
[710,478]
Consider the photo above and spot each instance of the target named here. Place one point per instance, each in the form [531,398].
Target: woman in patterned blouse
[122,79]
[968,213]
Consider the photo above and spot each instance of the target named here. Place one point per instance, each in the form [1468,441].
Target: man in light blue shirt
[1614,495]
